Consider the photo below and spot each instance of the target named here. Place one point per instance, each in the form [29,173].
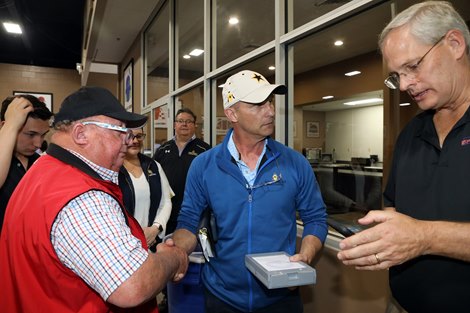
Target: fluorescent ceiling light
[12,28]
[365,101]
[339,43]
[352,73]
[233,21]
[327,97]
[271,68]
[405,104]
[186,56]
[196,52]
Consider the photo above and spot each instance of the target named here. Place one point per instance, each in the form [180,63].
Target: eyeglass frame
[275,179]
[186,122]
[393,80]
[129,135]
[141,135]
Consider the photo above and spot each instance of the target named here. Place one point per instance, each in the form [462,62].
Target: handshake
[176,258]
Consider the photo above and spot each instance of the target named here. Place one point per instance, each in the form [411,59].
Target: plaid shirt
[90,236]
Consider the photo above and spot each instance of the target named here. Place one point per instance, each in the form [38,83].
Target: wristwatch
[160,227]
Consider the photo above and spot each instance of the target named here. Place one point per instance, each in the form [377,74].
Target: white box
[275,270]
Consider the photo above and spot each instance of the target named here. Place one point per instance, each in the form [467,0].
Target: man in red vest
[67,243]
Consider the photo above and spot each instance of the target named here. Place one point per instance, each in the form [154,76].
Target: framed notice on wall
[313,129]
[44,97]
[129,86]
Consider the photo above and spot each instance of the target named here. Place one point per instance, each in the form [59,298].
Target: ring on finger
[377,258]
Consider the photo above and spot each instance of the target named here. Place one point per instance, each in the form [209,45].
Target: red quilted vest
[32,277]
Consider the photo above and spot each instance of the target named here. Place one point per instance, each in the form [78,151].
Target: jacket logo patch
[192,153]
[465,141]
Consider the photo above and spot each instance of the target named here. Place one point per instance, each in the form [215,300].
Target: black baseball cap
[92,101]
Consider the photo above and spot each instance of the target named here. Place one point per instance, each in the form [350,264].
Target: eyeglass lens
[139,137]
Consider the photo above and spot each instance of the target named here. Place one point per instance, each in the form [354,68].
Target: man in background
[24,122]
[422,234]
[68,244]
[175,157]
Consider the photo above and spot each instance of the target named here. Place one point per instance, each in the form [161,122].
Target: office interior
[337,111]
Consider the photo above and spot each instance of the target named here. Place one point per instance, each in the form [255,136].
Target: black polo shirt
[14,176]
[176,168]
[428,182]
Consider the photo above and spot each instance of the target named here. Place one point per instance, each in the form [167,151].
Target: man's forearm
[185,240]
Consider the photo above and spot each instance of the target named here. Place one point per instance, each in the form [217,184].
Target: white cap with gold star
[250,87]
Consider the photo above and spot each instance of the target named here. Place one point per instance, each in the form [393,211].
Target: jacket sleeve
[164,209]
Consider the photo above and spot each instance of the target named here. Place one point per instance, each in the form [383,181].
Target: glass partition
[304,11]
[338,110]
[241,27]
[147,145]
[194,100]
[189,54]
[161,122]
[157,56]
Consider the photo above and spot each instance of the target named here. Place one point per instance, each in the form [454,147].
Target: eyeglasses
[127,131]
[139,137]
[393,81]
[275,179]
[184,121]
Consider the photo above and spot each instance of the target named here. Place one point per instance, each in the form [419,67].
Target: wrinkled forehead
[400,48]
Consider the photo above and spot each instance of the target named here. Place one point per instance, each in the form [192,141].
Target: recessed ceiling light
[12,28]
[405,104]
[327,97]
[271,68]
[365,101]
[186,56]
[196,52]
[233,21]
[339,43]
[352,73]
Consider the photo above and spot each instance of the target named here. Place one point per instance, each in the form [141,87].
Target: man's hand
[179,256]
[17,112]
[396,239]
[151,234]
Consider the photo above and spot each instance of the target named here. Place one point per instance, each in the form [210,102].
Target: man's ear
[456,41]
[231,115]
[79,134]
[1,123]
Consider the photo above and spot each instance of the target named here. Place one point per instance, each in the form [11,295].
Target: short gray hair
[429,21]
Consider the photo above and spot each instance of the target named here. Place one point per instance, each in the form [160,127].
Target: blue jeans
[292,303]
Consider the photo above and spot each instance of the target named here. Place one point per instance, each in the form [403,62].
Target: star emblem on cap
[258,77]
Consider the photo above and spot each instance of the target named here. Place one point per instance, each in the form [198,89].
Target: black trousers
[292,303]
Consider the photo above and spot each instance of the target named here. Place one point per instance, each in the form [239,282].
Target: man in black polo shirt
[24,124]
[422,234]
[175,157]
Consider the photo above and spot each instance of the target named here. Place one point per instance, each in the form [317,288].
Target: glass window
[338,109]
[241,27]
[157,56]
[194,100]
[147,146]
[263,65]
[189,54]
[161,124]
[305,11]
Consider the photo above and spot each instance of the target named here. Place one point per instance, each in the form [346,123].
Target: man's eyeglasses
[139,137]
[184,122]
[127,131]
[393,81]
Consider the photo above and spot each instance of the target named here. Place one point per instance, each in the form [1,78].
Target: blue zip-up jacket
[256,219]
